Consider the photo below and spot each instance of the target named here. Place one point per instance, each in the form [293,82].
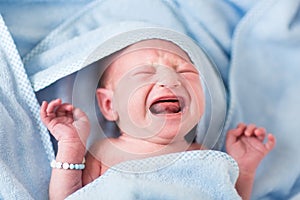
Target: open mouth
[166,106]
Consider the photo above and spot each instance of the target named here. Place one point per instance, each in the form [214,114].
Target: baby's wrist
[247,174]
[70,151]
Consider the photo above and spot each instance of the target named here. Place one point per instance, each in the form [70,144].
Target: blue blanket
[255,45]
[191,175]
[24,141]
[264,86]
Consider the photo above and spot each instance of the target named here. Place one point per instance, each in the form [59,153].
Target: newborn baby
[154,94]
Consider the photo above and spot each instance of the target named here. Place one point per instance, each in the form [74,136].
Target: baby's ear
[104,98]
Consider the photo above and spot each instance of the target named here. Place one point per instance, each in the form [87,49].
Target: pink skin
[66,123]
[134,82]
[246,145]
[143,77]
[70,126]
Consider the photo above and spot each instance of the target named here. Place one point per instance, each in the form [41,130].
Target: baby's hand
[66,123]
[246,145]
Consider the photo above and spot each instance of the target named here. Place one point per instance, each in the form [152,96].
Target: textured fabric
[188,175]
[25,144]
[29,31]
[258,65]
[264,85]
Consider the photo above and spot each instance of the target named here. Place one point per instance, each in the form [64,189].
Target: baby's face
[157,94]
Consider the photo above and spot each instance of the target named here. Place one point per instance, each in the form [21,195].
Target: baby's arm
[70,127]
[246,145]
[92,169]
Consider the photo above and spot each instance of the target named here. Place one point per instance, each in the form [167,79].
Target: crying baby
[154,93]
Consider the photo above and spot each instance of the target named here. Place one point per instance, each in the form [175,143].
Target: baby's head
[152,91]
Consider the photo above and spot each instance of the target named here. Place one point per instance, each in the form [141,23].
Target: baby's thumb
[81,123]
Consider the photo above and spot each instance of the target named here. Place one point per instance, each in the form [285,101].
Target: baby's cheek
[136,112]
[199,97]
[130,104]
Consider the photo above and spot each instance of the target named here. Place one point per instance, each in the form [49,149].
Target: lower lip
[170,115]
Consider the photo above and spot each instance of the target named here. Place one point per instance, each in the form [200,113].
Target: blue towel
[255,45]
[24,142]
[265,85]
[191,175]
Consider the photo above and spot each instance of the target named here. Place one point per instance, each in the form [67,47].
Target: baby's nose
[169,78]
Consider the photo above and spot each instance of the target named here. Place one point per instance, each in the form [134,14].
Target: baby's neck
[125,147]
[155,146]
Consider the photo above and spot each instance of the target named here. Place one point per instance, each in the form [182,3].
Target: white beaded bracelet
[65,165]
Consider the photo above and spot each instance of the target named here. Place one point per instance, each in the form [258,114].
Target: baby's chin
[171,133]
[171,141]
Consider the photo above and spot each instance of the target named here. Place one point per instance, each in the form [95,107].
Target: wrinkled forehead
[157,44]
[144,45]
[140,52]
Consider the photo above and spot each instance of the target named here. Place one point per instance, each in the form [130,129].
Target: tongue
[165,107]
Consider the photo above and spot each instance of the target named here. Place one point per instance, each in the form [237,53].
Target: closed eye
[144,70]
[143,73]
[187,69]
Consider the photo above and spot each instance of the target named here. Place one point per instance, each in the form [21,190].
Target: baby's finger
[250,129]
[43,112]
[242,126]
[270,144]
[81,123]
[64,109]
[260,133]
[233,134]
[79,114]
[52,105]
